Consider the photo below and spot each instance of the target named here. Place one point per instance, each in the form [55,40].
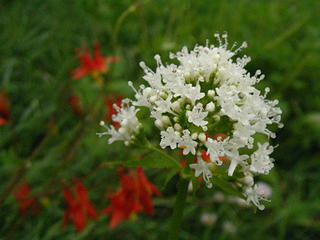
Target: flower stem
[176,218]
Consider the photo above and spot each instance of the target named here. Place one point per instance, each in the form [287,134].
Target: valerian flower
[208,92]
[127,125]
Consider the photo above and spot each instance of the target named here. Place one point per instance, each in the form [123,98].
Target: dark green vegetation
[50,144]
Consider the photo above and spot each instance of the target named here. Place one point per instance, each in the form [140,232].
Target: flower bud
[147,91]
[210,107]
[248,180]
[177,127]
[165,120]
[158,124]
[194,136]
[211,93]
[202,137]
[153,98]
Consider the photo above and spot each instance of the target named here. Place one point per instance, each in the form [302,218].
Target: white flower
[189,92]
[169,138]
[164,105]
[239,201]
[229,227]
[129,123]
[216,149]
[142,97]
[187,144]
[235,159]
[208,219]
[207,91]
[244,133]
[260,159]
[247,179]
[197,116]
[265,189]
[218,197]
[202,167]
[255,195]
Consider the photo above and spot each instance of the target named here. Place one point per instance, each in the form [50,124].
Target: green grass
[38,41]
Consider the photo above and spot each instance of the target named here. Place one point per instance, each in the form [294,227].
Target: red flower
[111,109]
[92,64]
[134,196]
[25,199]
[76,105]
[4,109]
[79,206]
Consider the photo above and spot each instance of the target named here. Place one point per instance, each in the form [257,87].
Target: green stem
[176,218]
[132,8]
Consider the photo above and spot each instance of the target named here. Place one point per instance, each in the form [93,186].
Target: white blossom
[202,167]
[169,138]
[229,227]
[129,124]
[207,91]
[197,116]
[235,160]
[265,189]
[255,195]
[216,149]
[260,159]
[208,219]
[187,144]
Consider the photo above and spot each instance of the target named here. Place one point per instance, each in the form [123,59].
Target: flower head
[208,92]
[260,159]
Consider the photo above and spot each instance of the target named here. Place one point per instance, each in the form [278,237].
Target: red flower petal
[79,206]
[4,109]
[92,63]
[25,200]
[133,197]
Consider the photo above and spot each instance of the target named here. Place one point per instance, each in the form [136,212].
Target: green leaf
[169,175]
[226,186]
[152,160]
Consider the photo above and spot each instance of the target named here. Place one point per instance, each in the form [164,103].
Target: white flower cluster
[189,100]
[207,102]
[128,121]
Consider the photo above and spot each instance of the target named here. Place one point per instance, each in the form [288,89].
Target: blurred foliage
[49,144]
